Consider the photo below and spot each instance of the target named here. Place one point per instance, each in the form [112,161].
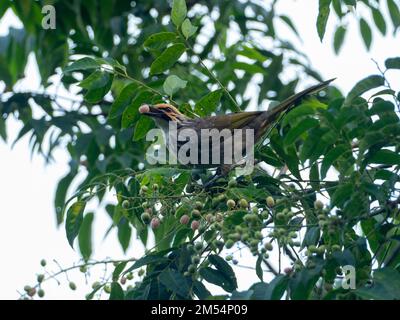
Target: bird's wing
[228,121]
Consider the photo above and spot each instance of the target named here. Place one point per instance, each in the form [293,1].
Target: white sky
[28,231]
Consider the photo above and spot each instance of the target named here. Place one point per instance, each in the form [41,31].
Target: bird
[166,116]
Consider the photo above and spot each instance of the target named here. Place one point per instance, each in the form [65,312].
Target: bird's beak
[149,110]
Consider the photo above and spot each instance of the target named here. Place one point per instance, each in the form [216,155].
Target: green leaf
[175,281]
[179,11]
[290,24]
[394,13]
[386,157]
[323,15]
[124,233]
[339,38]
[160,40]
[296,132]
[385,286]
[61,193]
[365,85]
[74,220]
[85,236]
[142,127]
[118,270]
[303,282]
[311,237]
[116,292]
[97,85]
[209,103]
[172,84]
[392,63]
[331,157]
[123,100]
[379,20]
[168,58]
[270,291]
[225,268]
[342,194]
[82,65]
[188,29]
[131,113]
[366,33]
[155,258]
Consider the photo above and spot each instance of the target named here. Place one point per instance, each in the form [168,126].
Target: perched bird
[258,122]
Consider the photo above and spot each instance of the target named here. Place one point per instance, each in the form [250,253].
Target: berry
[336,247]
[155,223]
[155,187]
[122,280]
[43,263]
[195,225]
[232,183]
[198,205]
[27,288]
[234,261]
[228,258]
[195,259]
[32,292]
[184,219]
[196,214]
[219,217]
[192,269]
[129,276]
[209,218]
[83,269]
[280,215]
[125,204]
[288,270]
[268,246]
[72,285]
[145,217]
[198,246]
[141,272]
[312,248]
[318,205]
[231,204]
[95,285]
[41,293]
[270,202]
[229,244]
[293,234]
[107,289]
[264,215]
[243,203]
[143,190]
[40,278]
[145,205]
[258,235]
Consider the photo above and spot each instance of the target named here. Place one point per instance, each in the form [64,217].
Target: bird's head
[162,113]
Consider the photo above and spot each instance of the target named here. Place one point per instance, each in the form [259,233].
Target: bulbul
[257,121]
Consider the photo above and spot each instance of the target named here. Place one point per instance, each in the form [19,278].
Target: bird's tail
[295,99]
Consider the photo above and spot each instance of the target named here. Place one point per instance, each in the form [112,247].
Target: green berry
[228,258]
[336,247]
[125,204]
[141,272]
[293,234]
[143,190]
[198,246]
[107,289]
[231,204]
[95,285]
[129,276]
[312,248]
[232,183]
[243,203]
[268,246]
[280,215]
[72,285]
[40,278]
[146,218]
[198,205]
[192,269]
[43,262]
[264,215]
[195,259]
[155,187]
[318,205]
[229,244]
[41,293]
[258,235]
[145,205]
[196,214]
[83,269]
[27,288]
[270,202]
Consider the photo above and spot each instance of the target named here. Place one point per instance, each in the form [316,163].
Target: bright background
[28,230]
